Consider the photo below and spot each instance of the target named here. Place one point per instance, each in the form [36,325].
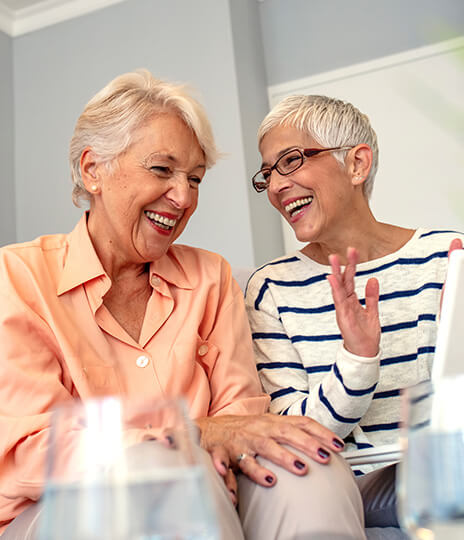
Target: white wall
[7,184]
[305,37]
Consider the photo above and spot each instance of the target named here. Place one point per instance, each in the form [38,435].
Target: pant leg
[323,505]
[26,525]
[143,454]
[378,492]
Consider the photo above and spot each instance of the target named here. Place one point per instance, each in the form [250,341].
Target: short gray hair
[330,122]
[110,119]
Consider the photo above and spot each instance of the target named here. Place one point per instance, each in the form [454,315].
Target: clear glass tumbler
[431,475]
[121,470]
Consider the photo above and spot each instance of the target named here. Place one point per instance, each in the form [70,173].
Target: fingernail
[269,479]
[299,464]
[233,492]
[170,439]
[323,453]
[338,443]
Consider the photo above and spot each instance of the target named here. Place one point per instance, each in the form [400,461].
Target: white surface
[448,361]
[18,17]
[380,454]
[414,101]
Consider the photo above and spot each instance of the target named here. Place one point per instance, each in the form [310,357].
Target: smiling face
[316,199]
[143,202]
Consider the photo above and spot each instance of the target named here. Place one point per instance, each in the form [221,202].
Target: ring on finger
[242,456]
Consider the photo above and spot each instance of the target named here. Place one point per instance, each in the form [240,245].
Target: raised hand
[359,326]
[236,441]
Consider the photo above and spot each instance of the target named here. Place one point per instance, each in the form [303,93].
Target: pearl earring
[94,188]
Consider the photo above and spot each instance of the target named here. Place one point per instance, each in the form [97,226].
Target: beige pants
[324,505]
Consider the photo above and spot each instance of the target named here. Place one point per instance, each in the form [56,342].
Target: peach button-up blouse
[59,342]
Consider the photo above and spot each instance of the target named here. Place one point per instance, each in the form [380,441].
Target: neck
[370,237]
[116,266]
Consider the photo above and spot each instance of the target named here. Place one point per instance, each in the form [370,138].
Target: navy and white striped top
[298,345]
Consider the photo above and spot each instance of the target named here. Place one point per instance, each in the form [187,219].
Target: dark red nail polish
[269,479]
[170,440]
[338,443]
[299,464]
[323,453]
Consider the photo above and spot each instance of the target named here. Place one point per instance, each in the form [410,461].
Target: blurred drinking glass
[431,475]
[125,471]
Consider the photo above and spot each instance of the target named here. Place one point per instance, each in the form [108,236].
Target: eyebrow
[172,159]
[264,165]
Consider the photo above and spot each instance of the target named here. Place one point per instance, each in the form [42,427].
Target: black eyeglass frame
[304,153]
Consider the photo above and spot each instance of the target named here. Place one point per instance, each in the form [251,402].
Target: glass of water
[431,475]
[121,470]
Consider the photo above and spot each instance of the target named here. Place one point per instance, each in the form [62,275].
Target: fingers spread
[372,295]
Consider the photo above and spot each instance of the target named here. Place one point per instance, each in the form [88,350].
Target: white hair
[110,119]
[330,122]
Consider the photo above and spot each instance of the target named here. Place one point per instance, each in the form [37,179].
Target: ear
[89,170]
[360,163]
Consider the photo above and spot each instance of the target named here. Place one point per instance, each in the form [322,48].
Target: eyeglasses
[288,163]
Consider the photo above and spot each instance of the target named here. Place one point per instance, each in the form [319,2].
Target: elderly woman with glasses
[117,308]
[322,353]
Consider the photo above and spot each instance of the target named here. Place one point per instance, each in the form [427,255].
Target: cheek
[273,200]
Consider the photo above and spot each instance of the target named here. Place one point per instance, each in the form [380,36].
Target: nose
[180,194]
[278,182]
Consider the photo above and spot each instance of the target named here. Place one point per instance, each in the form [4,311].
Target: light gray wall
[253,106]
[57,69]
[305,37]
[7,182]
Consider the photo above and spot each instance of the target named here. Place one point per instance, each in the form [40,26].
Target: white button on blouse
[142,361]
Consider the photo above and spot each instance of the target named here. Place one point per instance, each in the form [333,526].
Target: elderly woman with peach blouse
[116,308]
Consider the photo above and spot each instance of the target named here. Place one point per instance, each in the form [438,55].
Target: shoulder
[200,266]
[198,257]
[35,252]
[431,240]
[286,274]
[28,267]
[277,269]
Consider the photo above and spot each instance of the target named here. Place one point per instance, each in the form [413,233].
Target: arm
[343,392]
[31,384]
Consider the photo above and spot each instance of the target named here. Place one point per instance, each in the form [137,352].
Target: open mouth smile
[295,207]
[161,221]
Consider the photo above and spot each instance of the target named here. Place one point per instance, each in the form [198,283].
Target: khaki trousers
[323,505]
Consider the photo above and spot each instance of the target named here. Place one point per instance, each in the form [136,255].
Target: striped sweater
[298,346]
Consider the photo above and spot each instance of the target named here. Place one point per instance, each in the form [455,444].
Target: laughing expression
[147,197]
[315,198]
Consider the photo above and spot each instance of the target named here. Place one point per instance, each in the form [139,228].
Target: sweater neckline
[367,264]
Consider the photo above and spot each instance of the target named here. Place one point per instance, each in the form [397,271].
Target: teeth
[298,203]
[169,223]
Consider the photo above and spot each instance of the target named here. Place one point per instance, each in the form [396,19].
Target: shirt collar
[82,263]
[171,268]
